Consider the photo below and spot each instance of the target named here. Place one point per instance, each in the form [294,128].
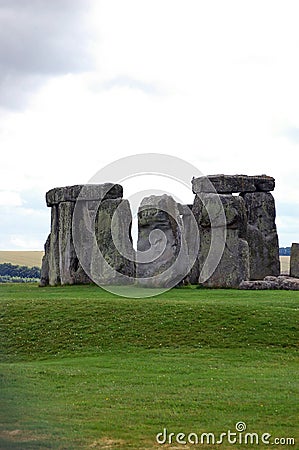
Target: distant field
[19,258]
[284,264]
[35,259]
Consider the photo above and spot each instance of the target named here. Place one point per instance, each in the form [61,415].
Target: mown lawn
[84,369]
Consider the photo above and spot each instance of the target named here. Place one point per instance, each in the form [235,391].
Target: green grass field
[83,369]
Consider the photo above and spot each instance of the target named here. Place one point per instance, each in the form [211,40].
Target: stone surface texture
[270,282]
[262,235]
[228,184]
[160,241]
[84,192]
[224,215]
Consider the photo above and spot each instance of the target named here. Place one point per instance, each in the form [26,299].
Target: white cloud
[22,242]
[9,198]
[215,83]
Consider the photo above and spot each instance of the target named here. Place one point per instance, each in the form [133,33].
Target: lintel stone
[91,192]
[228,184]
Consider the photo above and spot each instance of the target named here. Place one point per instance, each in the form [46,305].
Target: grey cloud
[40,38]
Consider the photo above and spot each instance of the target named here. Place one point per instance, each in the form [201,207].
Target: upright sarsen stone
[114,242]
[162,250]
[191,233]
[262,235]
[71,271]
[53,259]
[225,216]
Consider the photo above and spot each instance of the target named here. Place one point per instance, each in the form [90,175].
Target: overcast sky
[85,82]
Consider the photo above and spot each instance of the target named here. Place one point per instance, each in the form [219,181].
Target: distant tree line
[285,251]
[18,274]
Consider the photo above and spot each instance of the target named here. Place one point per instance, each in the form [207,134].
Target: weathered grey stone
[53,260]
[258,285]
[44,277]
[84,192]
[294,261]
[289,283]
[113,235]
[227,184]
[83,238]
[270,282]
[223,184]
[225,210]
[160,242]
[92,228]
[233,266]
[262,235]
[70,270]
[225,215]
[271,278]
[263,183]
[189,223]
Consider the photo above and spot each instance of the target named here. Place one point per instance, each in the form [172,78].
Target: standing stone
[83,238]
[262,235]
[71,271]
[294,263]
[225,217]
[44,276]
[68,260]
[190,232]
[162,250]
[113,260]
[54,266]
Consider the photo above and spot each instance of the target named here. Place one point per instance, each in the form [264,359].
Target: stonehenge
[225,238]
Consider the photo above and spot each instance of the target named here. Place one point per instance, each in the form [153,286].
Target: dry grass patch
[284,265]
[107,443]
[21,436]
[19,258]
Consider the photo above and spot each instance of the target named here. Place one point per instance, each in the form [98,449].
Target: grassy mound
[82,368]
